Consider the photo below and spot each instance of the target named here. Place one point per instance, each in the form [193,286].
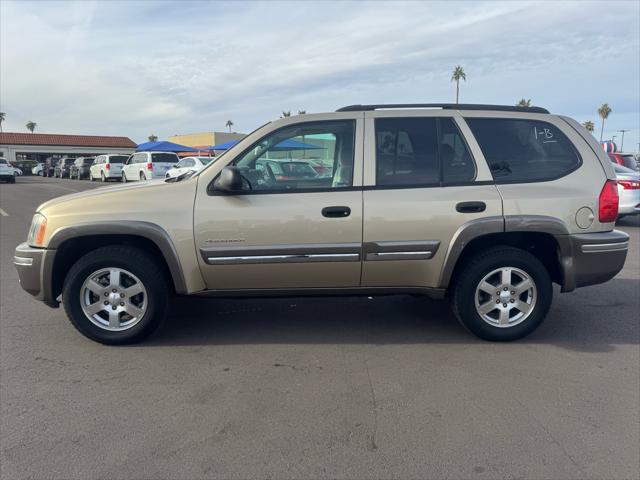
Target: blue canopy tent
[164,147]
[285,145]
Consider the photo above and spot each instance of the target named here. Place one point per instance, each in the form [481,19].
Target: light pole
[622,141]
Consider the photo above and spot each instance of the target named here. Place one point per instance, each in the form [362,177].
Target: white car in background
[628,190]
[188,164]
[107,167]
[38,169]
[148,165]
[7,172]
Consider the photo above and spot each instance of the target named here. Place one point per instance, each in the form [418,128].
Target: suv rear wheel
[502,294]
[116,295]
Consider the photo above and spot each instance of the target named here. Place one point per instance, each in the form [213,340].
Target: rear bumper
[34,266]
[591,258]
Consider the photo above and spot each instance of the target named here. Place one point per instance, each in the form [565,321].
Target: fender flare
[147,230]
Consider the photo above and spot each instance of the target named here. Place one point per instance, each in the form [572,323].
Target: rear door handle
[471,207]
[336,212]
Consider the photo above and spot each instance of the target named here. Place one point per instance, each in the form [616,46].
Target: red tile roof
[65,140]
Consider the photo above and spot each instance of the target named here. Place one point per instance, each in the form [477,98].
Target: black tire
[143,177]
[102,177]
[480,265]
[136,261]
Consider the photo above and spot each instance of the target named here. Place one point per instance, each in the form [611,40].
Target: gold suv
[486,205]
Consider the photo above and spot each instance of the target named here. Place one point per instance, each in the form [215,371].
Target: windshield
[118,159]
[164,158]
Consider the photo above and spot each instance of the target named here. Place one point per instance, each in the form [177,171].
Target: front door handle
[471,207]
[336,212]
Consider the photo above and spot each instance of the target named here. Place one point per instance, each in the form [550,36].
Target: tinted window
[164,158]
[524,150]
[87,161]
[282,160]
[118,159]
[413,151]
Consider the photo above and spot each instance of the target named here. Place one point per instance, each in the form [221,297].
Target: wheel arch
[73,242]
[544,237]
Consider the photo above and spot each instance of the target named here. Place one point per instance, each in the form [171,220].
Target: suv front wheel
[116,295]
[502,294]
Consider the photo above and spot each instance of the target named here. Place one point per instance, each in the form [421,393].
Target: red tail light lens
[629,184]
[149,166]
[107,166]
[608,210]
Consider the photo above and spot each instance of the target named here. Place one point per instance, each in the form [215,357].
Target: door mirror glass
[229,181]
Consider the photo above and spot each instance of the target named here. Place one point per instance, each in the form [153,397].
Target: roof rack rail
[444,106]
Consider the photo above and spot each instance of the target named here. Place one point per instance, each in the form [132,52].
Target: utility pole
[622,141]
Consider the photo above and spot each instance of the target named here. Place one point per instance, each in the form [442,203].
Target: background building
[36,147]
[205,139]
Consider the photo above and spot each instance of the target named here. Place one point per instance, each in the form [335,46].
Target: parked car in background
[107,167]
[624,159]
[321,169]
[17,170]
[283,170]
[80,168]
[628,190]
[7,172]
[63,167]
[188,164]
[50,166]
[38,169]
[148,165]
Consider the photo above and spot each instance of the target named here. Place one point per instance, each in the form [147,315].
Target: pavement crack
[371,440]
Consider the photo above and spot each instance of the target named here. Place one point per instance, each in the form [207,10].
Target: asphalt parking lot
[384,387]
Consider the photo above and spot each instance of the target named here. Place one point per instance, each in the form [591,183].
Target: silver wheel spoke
[114,278]
[523,286]
[504,316]
[524,307]
[132,310]
[133,290]
[506,277]
[95,287]
[114,319]
[486,287]
[487,307]
[94,308]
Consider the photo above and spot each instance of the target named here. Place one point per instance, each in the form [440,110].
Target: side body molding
[147,230]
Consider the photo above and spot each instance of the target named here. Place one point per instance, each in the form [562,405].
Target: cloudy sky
[136,68]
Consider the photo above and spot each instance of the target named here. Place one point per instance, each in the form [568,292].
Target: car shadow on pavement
[589,319]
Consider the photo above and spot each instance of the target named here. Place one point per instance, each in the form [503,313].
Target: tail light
[629,184]
[149,166]
[107,166]
[608,209]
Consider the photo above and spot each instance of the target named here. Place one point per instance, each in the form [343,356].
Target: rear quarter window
[524,150]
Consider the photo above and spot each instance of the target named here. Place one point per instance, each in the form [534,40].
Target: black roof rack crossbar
[444,106]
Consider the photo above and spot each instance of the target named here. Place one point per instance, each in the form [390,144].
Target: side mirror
[229,181]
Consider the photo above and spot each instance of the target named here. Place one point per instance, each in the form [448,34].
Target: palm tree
[458,74]
[286,114]
[153,138]
[31,126]
[301,112]
[589,125]
[229,124]
[3,117]
[524,102]
[604,112]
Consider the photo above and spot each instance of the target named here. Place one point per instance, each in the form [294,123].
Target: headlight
[36,232]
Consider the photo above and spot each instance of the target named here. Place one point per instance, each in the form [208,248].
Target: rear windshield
[88,161]
[69,161]
[164,158]
[118,159]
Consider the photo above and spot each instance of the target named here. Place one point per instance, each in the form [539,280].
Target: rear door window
[520,150]
[421,151]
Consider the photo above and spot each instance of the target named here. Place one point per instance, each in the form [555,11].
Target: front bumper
[591,258]
[35,267]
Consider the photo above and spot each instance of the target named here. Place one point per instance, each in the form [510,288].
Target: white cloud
[133,68]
